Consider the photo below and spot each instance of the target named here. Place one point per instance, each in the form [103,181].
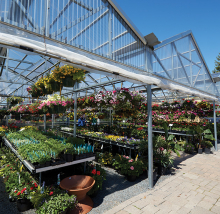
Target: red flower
[15,191]
[51,193]
[35,185]
[22,191]
[93,171]
[32,188]
[18,193]
[98,172]
[11,168]
[24,188]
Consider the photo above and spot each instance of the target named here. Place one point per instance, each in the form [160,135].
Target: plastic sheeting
[15,38]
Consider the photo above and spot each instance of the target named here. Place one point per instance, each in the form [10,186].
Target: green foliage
[189,148]
[57,204]
[105,158]
[208,144]
[217,64]
[75,141]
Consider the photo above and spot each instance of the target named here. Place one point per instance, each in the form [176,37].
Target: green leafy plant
[57,204]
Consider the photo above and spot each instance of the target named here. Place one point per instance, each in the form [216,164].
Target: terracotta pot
[78,185]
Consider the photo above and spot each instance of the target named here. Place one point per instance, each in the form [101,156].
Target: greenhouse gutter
[30,43]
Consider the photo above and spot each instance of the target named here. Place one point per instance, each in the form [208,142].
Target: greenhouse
[83,92]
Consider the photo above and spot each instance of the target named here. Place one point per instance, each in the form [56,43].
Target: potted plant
[23,204]
[69,152]
[57,203]
[68,75]
[14,100]
[208,145]
[99,174]
[35,91]
[131,168]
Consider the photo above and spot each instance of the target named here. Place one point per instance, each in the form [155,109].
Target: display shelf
[33,170]
[29,166]
[99,140]
[44,169]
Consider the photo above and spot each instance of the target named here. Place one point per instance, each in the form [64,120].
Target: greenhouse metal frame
[37,35]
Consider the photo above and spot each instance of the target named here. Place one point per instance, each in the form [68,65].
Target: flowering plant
[130,166]
[99,174]
[14,100]
[54,106]
[35,91]
[60,73]
[188,104]
[203,104]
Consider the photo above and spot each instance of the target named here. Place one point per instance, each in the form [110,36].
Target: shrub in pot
[208,145]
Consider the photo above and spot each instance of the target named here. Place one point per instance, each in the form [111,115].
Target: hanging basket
[54,86]
[49,91]
[68,81]
[119,113]
[101,116]
[51,111]
[59,109]
[17,116]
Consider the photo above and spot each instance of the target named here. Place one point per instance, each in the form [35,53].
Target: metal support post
[45,119]
[47,12]
[52,121]
[7,62]
[7,115]
[110,117]
[84,167]
[215,127]
[75,114]
[67,121]
[110,31]
[40,179]
[150,143]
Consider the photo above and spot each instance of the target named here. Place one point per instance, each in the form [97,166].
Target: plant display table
[32,168]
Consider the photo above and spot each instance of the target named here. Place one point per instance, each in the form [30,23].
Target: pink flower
[127,157]
[130,161]
[132,168]
[161,148]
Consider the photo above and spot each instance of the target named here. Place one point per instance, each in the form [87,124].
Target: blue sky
[166,18]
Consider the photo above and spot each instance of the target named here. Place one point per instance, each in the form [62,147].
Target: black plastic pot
[200,151]
[47,163]
[131,178]
[77,157]
[161,170]
[207,150]
[23,205]
[69,157]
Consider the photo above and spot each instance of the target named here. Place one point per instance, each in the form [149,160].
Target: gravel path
[117,189]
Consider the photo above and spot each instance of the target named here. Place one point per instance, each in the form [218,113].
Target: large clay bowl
[78,185]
